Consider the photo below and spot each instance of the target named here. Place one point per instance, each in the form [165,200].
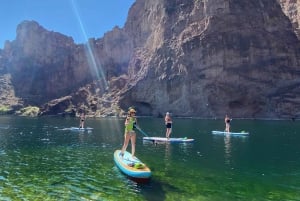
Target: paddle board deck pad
[230,133]
[164,139]
[132,167]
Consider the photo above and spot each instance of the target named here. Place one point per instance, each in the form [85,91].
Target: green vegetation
[5,109]
[118,110]
[70,109]
[30,111]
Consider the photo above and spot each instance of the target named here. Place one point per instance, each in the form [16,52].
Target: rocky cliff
[40,61]
[238,57]
[196,58]
[292,9]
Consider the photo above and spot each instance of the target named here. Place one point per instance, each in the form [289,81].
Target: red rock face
[194,58]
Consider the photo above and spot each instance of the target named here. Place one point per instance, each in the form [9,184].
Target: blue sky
[80,19]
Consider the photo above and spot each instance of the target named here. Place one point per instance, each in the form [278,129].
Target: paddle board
[132,167]
[4,127]
[164,139]
[230,133]
[81,129]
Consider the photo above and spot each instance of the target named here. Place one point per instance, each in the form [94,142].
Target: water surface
[41,160]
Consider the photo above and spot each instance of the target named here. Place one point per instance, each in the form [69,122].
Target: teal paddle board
[132,166]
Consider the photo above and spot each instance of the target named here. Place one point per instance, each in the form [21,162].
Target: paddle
[141,131]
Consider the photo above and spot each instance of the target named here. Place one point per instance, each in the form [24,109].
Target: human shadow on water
[151,189]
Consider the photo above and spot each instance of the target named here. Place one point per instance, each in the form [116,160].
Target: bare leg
[133,140]
[126,141]
[227,128]
[169,130]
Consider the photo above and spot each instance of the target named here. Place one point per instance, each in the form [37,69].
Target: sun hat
[132,110]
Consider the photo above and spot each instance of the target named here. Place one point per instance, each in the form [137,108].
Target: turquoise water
[40,160]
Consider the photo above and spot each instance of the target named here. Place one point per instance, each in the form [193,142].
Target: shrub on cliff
[30,111]
[5,109]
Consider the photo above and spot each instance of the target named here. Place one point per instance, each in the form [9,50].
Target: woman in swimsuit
[227,123]
[168,123]
[130,134]
[82,119]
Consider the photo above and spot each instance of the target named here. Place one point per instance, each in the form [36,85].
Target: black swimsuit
[169,125]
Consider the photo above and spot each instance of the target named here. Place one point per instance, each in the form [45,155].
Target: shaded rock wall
[44,64]
[219,57]
[8,98]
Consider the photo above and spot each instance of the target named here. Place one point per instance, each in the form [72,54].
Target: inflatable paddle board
[81,129]
[132,167]
[164,139]
[230,133]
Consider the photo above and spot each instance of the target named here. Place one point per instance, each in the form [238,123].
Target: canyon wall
[197,58]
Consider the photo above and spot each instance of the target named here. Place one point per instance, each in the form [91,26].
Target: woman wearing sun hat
[130,134]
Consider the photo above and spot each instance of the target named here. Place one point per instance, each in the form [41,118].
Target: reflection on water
[4,126]
[227,150]
[167,157]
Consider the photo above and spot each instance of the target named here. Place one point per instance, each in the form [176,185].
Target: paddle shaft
[141,131]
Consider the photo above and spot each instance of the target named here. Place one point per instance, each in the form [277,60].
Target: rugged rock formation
[9,102]
[195,58]
[46,65]
[292,9]
[43,64]
[238,57]
[90,99]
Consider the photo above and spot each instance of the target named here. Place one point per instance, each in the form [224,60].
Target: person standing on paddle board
[130,134]
[227,123]
[82,119]
[168,123]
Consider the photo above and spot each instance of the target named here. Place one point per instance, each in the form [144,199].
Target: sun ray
[94,62]
[95,66]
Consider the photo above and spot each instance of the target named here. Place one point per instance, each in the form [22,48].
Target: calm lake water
[41,160]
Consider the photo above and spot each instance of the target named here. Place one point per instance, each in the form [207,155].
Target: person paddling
[227,123]
[82,119]
[130,134]
[168,123]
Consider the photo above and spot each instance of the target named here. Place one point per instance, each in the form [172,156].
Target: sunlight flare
[94,62]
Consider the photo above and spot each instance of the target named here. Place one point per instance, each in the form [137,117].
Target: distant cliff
[44,64]
[197,58]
